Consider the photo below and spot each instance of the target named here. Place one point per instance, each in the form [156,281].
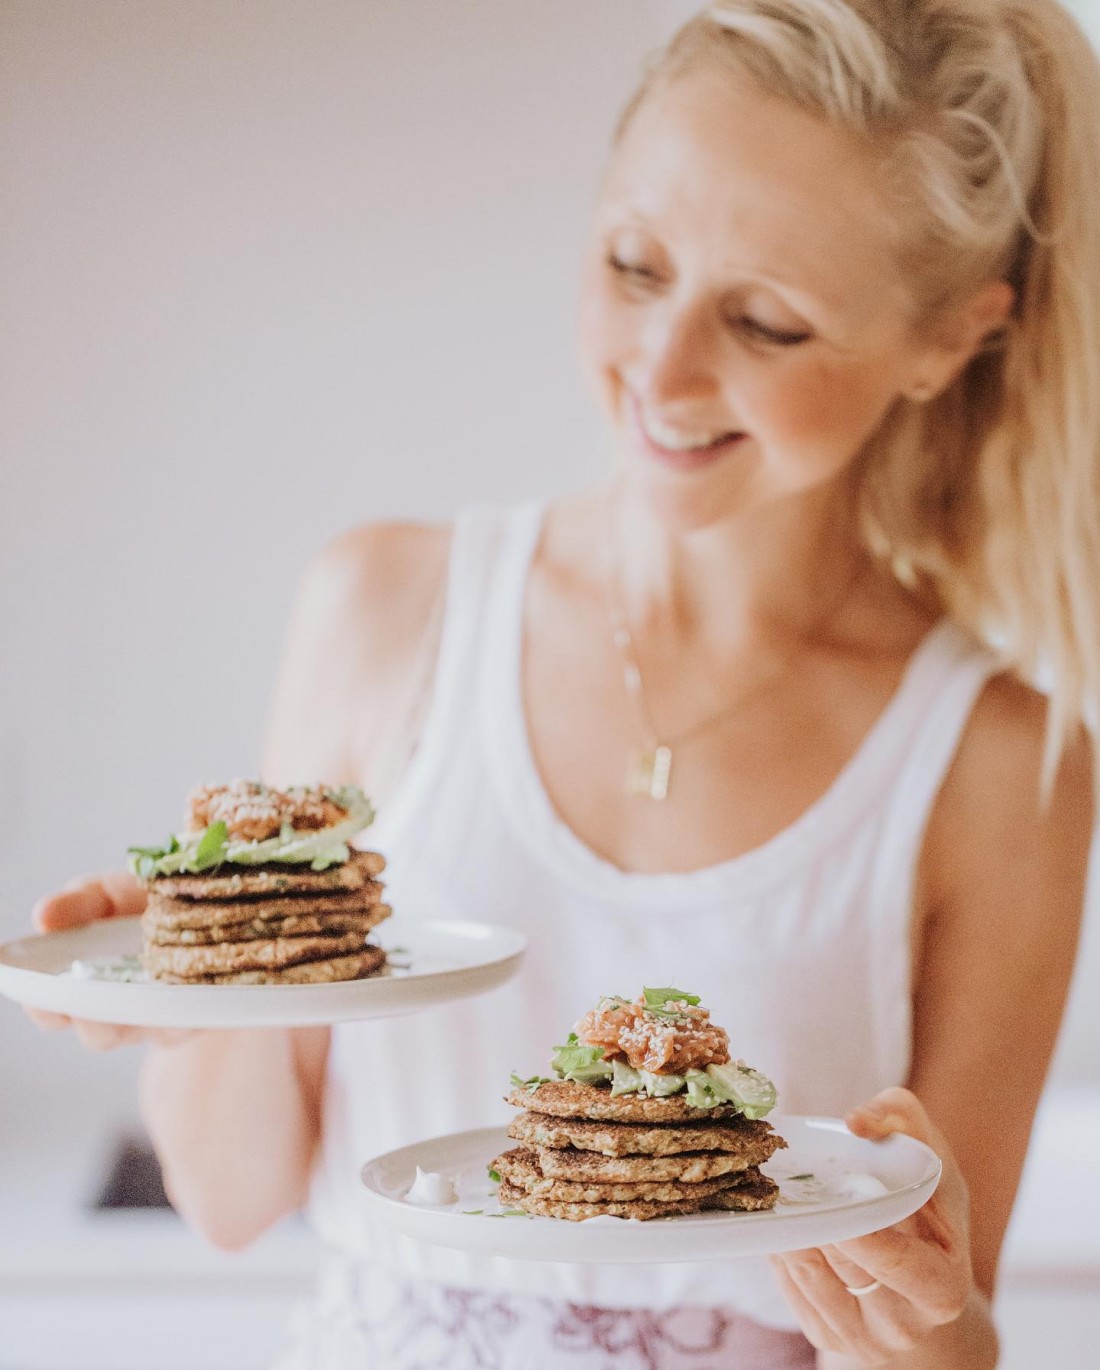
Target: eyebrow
[806,300]
[826,304]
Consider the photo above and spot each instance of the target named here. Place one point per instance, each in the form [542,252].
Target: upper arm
[356,631]
[1003,880]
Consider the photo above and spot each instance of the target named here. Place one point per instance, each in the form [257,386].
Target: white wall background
[267,268]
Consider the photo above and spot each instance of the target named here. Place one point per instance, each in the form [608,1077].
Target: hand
[115,895]
[922,1264]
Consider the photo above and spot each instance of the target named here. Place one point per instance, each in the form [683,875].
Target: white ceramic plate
[857,1187]
[437,962]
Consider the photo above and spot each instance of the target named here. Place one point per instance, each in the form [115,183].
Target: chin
[688,500]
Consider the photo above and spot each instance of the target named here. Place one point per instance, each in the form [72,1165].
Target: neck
[766,576]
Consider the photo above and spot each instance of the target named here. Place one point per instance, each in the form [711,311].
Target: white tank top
[800,947]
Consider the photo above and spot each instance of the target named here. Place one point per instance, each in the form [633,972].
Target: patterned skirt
[367,1320]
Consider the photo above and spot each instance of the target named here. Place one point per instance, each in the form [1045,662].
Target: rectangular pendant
[650,773]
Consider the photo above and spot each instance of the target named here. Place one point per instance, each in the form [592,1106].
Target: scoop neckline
[554,843]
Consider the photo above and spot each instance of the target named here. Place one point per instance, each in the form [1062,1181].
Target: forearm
[234,1129]
[968,1343]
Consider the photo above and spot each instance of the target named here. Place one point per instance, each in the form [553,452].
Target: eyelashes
[631,270]
[644,277]
[779,337]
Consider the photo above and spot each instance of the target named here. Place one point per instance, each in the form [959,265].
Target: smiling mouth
[680,454]
[685,450]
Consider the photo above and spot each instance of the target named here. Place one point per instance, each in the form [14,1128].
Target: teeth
[676,441]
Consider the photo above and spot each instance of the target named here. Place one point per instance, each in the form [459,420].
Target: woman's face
[742,320]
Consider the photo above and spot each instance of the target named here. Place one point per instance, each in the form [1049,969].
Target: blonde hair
[987,113]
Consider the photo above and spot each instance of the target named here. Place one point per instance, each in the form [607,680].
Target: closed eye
[760,332]
[631,269]
[777,337]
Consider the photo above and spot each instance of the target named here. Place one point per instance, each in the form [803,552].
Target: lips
[680,457]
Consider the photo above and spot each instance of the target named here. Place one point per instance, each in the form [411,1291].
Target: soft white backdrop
[267,269]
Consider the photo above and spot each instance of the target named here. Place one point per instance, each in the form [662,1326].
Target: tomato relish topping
[253,812]
[668,1038]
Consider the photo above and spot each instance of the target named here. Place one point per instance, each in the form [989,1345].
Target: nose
[679,356]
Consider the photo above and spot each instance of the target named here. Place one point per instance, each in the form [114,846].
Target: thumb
[895,1110]
[899,1110]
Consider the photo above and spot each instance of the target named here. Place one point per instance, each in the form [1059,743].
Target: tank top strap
[484,539]
[949,674]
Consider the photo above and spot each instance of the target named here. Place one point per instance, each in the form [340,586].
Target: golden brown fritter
[757,1194]
[567,1099]
[358,966]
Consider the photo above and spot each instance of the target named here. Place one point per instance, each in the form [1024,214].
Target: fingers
[815,1327]
[946,1215]
[49,1022]
[922,1265]
[934,1280]
[894,1110]
[95,1036]
[114,895]
[106,1036]
[72,908]
[872,1328]
[125,892]
[849,1272]
[171,1037]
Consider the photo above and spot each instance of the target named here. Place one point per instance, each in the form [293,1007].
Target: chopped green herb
[494,1175]
[530,1084]
[657,1000]
[472,1212]
[509,1213]
[809,1174]
[146,860]
[169,846]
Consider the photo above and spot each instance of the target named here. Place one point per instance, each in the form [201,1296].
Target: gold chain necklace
[649,770]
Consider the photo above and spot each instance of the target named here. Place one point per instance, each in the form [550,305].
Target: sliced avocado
[751,1092]
[583,1064]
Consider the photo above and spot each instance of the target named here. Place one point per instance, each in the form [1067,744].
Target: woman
[729,721]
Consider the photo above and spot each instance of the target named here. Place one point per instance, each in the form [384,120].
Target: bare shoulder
[381,578]
[357,633]
[993,795]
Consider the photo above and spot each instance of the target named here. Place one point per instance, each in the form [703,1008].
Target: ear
[956,335]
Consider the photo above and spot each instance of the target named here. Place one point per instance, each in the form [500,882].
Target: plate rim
[244,1005]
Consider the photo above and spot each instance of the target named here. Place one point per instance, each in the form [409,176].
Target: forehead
[715,165]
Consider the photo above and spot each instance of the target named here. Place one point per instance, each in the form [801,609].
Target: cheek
[819,408]
[603,334]
[595,337]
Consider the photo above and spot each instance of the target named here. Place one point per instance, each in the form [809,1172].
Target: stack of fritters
[265,924]
[585,1154]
